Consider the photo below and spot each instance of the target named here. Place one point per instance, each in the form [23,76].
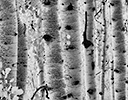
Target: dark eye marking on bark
[117,90]
[67,96]
[116,70]
[70,95]
[76,82]
[101,93]
[64,97]
[111,4]
[59,27]
[126,81]
[68,27]
[26,6]
[70,7]
[47,37]
[91,91]
[119,70]
[86,42]
[70,47]
[84,2]
[123,28]
[112,78]
[114,19]
[93,8]
[46,2]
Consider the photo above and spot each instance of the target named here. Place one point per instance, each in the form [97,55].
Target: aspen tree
[71,40]
[101,50]
[89,50]
[119,50]
[53,71]
[8,38]
[125,25]
[97,47]
[109,66]
[105,68]
[29,11]
[22,57]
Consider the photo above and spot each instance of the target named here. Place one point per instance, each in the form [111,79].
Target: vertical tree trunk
[22,57]
[104,52]
[89,49]
[119,50]
[30,50]
[53,70]
[71,40]
[8,38]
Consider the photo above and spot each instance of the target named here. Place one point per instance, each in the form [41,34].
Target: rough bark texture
[63,50]
[71,44]
[8,41]
[89,50]
[119,50]
[53,67]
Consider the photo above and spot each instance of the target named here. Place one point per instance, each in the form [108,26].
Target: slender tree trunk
[89,49]
[119,50]
[8,38]
[104,52]
[22,57]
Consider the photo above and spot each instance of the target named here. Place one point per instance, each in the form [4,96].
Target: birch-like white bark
[89,50]
[71,39]
[119,50]
[53,67]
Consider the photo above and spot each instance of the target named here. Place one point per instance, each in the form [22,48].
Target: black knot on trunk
[47,37]
[118,90]
[93,8]
[64,97]
[69,95]
[70,7]
[68,27]
[46,2]
[87,43]
[117,70]
[70,47]
[75,83]
[91,91]
[126,81]
[101,93]
[112,78]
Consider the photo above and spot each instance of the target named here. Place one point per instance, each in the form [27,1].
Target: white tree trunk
[71,41]
[89,50]
[53,66]
[119,50]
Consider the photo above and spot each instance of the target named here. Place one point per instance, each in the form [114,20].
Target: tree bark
[119,50]
[53,65]
[8,38]
[71,41]
[89,50]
